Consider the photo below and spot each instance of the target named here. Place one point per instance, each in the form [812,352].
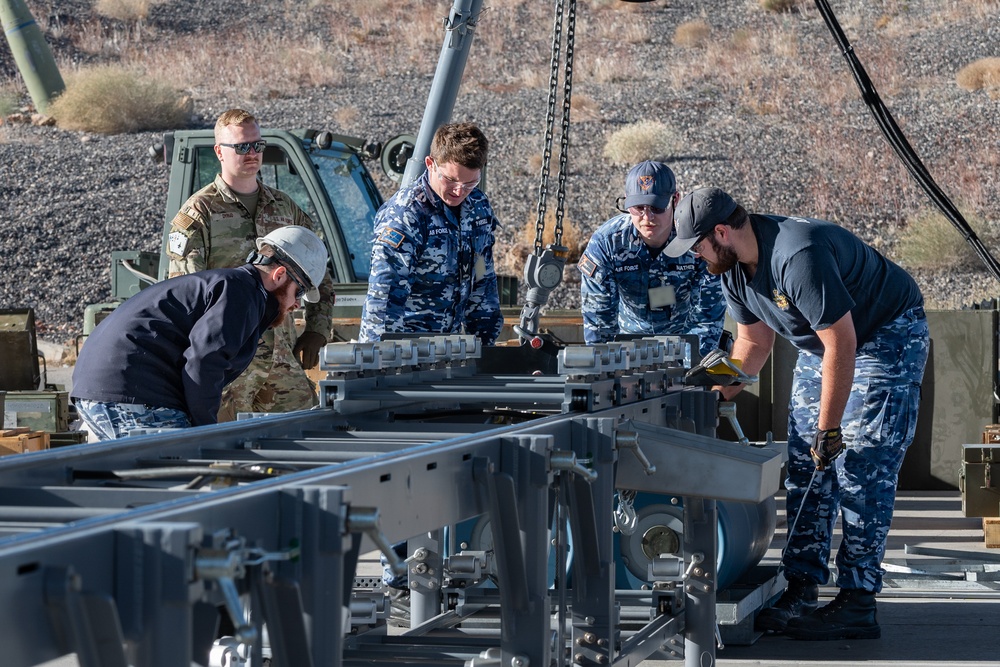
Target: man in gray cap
[858,322]
[629,285]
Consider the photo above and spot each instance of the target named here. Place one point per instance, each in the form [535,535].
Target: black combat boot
[851,615]
[798,599]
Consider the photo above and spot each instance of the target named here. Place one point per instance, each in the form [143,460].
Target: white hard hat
[305,250]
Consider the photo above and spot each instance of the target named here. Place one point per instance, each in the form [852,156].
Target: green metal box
[980,480]
[19,368]
[38,410]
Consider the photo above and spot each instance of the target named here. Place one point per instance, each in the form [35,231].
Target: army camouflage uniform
[214,230]
[617,272]
[432,272]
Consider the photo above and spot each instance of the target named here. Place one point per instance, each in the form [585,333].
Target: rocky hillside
[759,103]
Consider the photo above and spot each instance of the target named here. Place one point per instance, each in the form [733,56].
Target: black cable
[900,145]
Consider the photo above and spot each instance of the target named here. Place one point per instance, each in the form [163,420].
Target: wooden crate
[18,440]
[991,434]
[991,529]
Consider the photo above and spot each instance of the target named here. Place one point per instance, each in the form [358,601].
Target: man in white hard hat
[162,359]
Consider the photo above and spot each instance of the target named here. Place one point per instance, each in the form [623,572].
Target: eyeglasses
[452,183]
[244,148]
[638,210]
[650,211]
[696,248]
[301,292]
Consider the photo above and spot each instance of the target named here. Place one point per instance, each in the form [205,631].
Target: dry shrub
[983,74]
[584,108]
[125,10]
[930,241]
[779,5]
[608,69]
[510,260]
[112,100]
[8,103]
[644,140]
[692,34]
[347,116]
[280,66]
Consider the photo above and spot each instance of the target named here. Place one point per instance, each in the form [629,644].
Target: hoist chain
[564,139]
[557,29]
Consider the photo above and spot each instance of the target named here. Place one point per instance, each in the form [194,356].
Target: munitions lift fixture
[133,552]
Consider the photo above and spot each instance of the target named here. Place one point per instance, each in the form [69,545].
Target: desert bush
[644,140]
[779,5]
[584,108]
[983,74]
[113,100]
[692,34]
[509,259]
[930,241]
[8,103]
[125,10]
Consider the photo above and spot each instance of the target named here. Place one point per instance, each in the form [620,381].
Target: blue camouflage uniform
[432,267]
[810,273]
[617,271]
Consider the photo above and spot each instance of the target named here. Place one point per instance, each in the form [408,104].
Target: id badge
[662,296]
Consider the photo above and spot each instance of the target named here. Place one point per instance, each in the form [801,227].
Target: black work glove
[827,445]
[307,349]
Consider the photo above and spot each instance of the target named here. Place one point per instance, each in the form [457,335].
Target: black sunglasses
[244,148]
[301,292]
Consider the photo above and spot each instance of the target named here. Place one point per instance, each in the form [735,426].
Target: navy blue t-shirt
[178,343]
[810,273]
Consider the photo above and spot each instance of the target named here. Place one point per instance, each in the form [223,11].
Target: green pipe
[31,53]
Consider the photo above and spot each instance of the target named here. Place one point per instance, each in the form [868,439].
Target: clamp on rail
[225,561]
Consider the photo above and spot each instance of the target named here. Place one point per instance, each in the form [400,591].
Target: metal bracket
[365,520]
[629,440]
[225,561]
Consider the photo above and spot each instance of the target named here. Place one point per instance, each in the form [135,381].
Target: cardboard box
[37,410]
[991,529]
[20,440]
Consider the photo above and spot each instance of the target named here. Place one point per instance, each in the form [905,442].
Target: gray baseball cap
[649,184]
[696,215]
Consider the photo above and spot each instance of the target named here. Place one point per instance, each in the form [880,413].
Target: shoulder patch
[177,243]
[587,266]
[182,220]
[392,237]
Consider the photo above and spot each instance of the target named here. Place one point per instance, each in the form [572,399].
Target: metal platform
[142,542]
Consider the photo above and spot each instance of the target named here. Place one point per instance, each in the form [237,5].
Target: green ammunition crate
[980,480]
[37,410]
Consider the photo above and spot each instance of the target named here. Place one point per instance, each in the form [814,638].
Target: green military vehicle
[323,172]
[327,176]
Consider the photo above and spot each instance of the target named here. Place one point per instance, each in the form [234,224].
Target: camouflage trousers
[109,421]
[879,424]
[273,382]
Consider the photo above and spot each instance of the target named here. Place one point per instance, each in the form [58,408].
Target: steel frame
[124,552]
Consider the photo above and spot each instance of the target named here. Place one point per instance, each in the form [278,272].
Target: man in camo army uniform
[216,228]
[432,259]
[628,285]
[859,324]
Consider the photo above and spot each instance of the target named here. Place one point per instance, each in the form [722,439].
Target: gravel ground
[67,199]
